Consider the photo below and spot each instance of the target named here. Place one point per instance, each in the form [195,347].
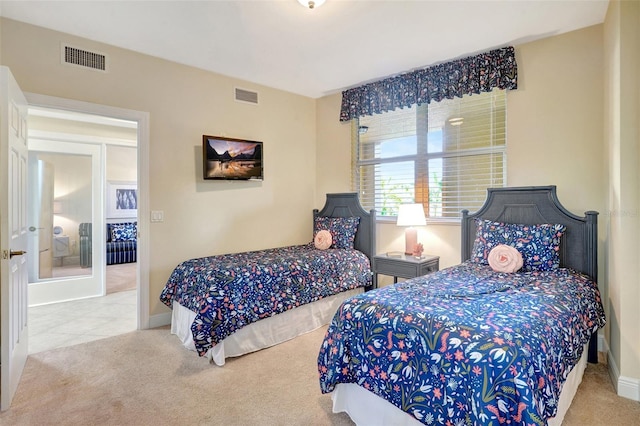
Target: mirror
[63,196]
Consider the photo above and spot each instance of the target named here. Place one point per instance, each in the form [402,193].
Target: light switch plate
[157,216]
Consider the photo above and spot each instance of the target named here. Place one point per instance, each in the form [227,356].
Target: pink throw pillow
[504,258]
[323,240]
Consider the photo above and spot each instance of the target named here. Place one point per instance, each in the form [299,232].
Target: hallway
[79,321]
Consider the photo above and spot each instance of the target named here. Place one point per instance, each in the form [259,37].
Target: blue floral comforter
[466,345]
[230,291]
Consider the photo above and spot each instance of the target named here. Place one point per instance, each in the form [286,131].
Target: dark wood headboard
[536,205]
[347,204]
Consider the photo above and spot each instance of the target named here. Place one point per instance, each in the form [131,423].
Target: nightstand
[405,266]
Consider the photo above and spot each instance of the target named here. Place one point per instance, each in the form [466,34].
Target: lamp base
[411,240]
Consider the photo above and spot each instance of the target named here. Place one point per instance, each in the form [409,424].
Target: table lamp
[411,215]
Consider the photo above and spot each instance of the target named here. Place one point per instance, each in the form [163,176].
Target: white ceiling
[280,44]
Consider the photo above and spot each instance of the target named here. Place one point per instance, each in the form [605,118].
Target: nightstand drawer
[398,269]
[405,266]
[429,268]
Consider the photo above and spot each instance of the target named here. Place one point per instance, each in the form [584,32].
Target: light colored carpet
[147,378]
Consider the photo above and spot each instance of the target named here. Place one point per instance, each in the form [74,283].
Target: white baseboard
[626,387]
[160,320]
[602,344]
[614,372]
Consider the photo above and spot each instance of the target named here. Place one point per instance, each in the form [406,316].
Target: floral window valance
[474,74]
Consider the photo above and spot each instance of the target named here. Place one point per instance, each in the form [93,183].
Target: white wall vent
[243,95]
[83,58]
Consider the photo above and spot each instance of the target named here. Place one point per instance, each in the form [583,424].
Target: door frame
[142,118]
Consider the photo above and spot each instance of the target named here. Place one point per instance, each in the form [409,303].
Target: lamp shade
[411,215]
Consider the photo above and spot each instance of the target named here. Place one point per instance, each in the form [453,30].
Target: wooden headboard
[536,205]
[347,204]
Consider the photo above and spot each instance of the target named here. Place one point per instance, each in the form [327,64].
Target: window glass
[443,155]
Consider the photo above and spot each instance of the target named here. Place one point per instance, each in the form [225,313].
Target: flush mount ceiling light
[311,4]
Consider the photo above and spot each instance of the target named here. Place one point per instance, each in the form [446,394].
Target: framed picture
[231,158]
[122,200]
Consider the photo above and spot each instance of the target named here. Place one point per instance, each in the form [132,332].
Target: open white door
[13,236]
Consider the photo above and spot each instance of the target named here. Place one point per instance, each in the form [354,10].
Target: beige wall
[200,218]
[554,122]
[622,137]
[554,118]
[333,161]
[122,163]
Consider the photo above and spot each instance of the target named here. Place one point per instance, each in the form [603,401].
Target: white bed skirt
[264,333]
[367,408]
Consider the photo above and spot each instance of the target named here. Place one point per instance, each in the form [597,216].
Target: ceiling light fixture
[311,4]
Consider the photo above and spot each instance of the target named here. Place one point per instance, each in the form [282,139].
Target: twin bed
[229,305]
[467,344]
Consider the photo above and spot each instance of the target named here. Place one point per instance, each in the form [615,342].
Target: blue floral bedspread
[230,291]
[466,345]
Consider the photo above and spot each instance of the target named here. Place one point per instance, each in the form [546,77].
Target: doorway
[89,311]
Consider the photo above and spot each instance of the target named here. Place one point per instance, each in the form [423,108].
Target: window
[444,155]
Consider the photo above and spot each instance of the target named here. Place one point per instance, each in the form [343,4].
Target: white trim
[602,344]
[626,387]
[74,137]
[142,118]
[614,372]
[84,118]
[160,320]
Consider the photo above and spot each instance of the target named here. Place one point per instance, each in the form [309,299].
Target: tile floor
[80,321]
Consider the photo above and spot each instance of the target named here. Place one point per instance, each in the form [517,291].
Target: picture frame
[226,158]
[122,200]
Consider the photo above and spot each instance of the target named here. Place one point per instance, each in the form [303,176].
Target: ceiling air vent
[83,58]
[243,95]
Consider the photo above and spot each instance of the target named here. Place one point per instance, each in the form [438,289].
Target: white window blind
[443,155]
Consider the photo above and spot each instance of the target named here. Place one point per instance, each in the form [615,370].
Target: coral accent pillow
[504,258]
[323,240]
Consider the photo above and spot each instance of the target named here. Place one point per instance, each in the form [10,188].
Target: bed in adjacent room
[483,342]
[229,305]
